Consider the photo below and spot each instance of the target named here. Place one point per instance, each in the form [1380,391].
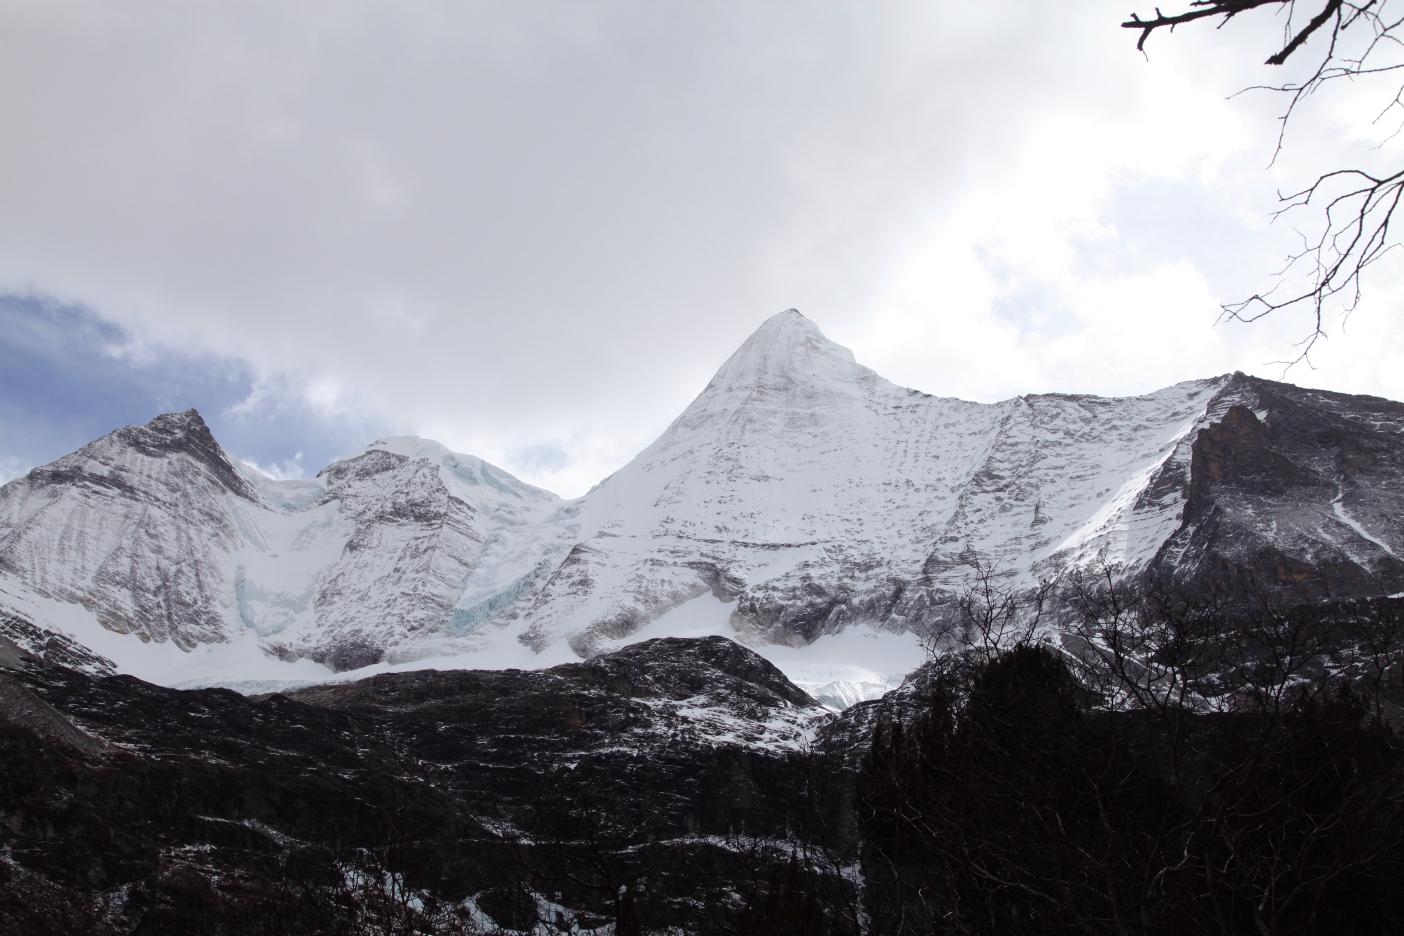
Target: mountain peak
[186,434]
[786,351]
[789,319]
[786,329]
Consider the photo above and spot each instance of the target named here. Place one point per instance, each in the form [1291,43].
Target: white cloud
[1028,284]
[290,470]
[532,231]
[11,468]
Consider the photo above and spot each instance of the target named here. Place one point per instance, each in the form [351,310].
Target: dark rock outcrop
[1292,491]
[191,798]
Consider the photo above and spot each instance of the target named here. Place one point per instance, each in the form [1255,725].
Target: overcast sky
[533,230]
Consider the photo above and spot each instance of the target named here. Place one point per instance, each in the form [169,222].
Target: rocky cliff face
[1296,490]
[800,488]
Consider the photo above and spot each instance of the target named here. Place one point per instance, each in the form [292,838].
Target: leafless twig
[1357,205]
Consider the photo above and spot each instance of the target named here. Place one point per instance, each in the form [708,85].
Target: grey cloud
[511,226]
[67,377]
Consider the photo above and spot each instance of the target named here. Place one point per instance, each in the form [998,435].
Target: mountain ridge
[800,494]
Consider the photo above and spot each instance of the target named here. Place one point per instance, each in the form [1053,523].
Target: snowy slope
[816,494]
[801,504]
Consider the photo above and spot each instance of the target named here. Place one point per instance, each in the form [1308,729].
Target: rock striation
[134,527]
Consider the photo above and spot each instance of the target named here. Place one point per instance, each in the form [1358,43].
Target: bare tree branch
[1199,10]
[1357,206]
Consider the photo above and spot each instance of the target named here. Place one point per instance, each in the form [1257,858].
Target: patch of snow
[1338,505]
[159,662]
[856,664]
[841,694]
[241,663]
[282,490]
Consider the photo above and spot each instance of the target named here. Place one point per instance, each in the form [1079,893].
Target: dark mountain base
[133,808]
[663,789]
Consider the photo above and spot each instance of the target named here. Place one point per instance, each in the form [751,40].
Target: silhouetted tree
[1287,779]
[1002,809]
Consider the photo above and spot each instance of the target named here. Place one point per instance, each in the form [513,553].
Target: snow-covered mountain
[816,495]
[159,533]
[799,498]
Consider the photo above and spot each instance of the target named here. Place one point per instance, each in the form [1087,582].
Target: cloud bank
[533,231]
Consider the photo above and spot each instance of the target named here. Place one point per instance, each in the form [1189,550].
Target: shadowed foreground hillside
[1166,766]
